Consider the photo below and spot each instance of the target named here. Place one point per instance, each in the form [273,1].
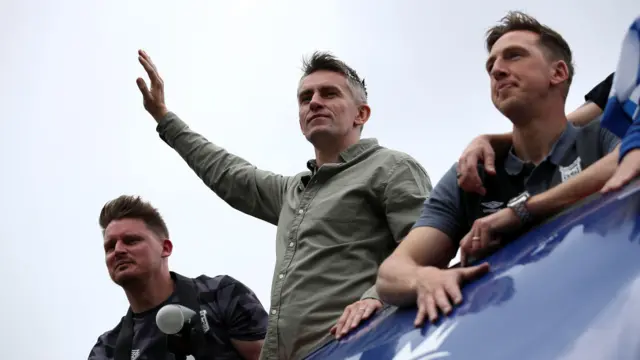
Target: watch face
[519,199]
[515,201]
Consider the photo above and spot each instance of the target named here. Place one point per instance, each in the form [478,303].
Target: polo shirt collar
[513,165]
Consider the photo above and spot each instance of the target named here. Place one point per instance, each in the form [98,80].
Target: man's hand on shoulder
[354,314]
[479,150]
[153,97]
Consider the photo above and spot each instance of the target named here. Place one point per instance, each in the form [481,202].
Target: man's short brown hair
[133,207]
[555,45]
[321,60]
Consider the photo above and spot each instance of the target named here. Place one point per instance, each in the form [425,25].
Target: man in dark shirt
[551,164]
[599,95]
[137,248]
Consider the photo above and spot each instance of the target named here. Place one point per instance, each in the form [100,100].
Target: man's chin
[512,109]
[319,135]
[126,277]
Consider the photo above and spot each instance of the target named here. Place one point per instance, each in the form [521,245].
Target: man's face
[132,251]
[327,108]
[520,72]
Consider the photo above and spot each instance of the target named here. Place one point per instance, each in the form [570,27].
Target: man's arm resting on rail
[415,274]
[429,243]
[236,181]
[398,274]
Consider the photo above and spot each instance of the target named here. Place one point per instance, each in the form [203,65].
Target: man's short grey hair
[326,61]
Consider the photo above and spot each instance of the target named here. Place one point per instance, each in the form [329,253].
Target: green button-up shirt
[336,224]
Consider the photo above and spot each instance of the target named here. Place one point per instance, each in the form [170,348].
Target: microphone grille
[170,319]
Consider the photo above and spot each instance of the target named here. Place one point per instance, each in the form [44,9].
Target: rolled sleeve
[443,209]
[372,293]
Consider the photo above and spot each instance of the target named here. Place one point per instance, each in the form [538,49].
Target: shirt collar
[349,153]
[514,165]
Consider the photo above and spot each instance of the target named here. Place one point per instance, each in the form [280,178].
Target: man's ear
[559,72]
[364,112]
[167,248]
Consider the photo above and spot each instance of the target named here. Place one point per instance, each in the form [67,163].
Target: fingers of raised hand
[142,85]
[150,68]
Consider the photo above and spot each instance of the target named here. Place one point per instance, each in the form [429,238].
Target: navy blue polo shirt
[444,209]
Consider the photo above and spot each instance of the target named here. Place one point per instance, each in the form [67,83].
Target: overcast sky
[74,132]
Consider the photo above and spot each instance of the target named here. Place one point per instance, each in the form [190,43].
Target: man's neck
[534,140]
[147,295]
[329,152]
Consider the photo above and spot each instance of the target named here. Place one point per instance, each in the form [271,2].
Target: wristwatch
[519,205]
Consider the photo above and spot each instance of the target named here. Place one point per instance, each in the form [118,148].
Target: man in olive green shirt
[336,222]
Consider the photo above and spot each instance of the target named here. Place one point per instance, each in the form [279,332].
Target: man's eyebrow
[304,92]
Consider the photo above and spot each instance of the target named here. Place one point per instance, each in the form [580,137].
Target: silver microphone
[172,318]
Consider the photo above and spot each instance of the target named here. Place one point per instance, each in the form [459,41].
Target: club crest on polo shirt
[573,169]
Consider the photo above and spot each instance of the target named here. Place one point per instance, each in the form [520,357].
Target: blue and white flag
[622,113]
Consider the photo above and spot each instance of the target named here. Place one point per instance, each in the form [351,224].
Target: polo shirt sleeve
[243,314]
[443,210]
[599,95]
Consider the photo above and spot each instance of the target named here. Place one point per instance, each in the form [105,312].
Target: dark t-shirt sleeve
[243,314]
[600,93]
[443,209]
[103,349]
